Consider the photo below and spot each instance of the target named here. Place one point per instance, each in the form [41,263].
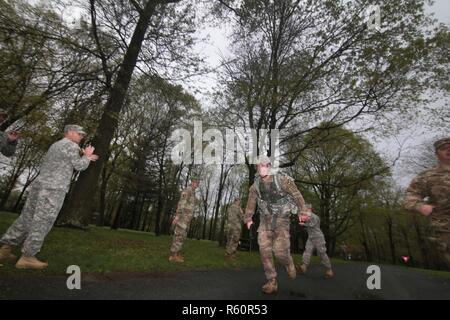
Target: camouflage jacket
[235,217]
[58,164]
[185,208]
[7,148]
[286,189]
[313,227]
[430,187]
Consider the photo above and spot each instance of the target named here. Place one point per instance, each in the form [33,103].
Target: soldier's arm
[251,204]
[415,193]
[7,148]
[289,186]
[73,153]
[313,221]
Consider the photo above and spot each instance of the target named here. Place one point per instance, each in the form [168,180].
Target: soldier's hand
[175,220]
[88,151]
[249,224]
[13,136]
[303,218]
[426,209]
[93,157]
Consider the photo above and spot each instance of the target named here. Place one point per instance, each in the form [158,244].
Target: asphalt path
[349,283]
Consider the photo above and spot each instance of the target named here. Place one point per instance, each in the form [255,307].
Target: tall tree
[297,63]
[79,208]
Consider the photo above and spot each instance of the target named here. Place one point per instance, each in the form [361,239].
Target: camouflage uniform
[433,184]
[7,148]
[275,206]
[46,197]
[185,212]
[234,225]
[316,240]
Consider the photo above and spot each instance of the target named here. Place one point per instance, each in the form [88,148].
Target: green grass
[101,250]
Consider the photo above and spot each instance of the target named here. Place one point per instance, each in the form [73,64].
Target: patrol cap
[74,127]
[441,142]
[195,177]
[262,159]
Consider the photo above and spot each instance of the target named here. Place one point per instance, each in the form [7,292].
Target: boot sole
[273,292]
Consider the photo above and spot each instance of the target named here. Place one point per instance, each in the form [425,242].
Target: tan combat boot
[292,273]
[329,274]
[175,257]
[270,287]
[30,263]
[301,268]
[5,253]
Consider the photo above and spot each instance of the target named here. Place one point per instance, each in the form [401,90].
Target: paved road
[349,283]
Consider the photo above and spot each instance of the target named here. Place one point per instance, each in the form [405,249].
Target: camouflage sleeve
[415,193]
[251,204]
[289,186]
[7,148]
[73,153]
[313,221]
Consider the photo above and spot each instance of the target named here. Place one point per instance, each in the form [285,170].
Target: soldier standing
[272,193]
[234,226]
[182,220]
[434,184]
[316,240]
[46,198]
[8,140]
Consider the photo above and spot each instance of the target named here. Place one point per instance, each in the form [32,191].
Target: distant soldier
[316,240]
[46,198]
[234,226]
[8,140]
[273,193]
[182,220]
[429,194]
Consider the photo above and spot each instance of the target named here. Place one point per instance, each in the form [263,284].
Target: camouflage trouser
[179,236]
[320,245]
[36,220]
[442,242]
[274,242]
[233,237]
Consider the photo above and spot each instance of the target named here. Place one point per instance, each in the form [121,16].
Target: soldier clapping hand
[426,209]
[89,153]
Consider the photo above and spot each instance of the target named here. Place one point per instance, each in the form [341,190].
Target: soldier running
[272,193]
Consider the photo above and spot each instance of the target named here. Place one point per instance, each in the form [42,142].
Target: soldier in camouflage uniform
[234,226]
[46,198]
[8,140]
[273,193]
[316,240]
[429,194]
[182,220]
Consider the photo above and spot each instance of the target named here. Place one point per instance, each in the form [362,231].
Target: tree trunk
[78,211]
[391,240]
[116,222]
